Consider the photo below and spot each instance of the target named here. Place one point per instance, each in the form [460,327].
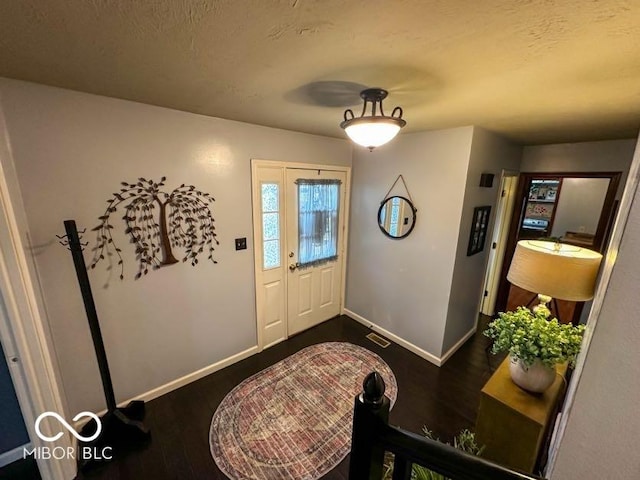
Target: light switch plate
[241,243]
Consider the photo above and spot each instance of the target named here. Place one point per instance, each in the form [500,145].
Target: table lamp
[554,271]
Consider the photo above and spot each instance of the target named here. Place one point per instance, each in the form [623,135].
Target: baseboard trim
[274,343]
[12,455]
[182,381]
[395,338]
[197,375]
[458,344]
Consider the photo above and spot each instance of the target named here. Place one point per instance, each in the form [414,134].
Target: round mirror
[396,217]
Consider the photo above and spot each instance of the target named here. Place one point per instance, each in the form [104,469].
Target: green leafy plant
[464,441]
[530,336]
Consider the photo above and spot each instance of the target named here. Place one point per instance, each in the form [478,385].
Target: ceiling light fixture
[377,128]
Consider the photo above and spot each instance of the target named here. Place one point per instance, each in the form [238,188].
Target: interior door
[315,202]
[499,243]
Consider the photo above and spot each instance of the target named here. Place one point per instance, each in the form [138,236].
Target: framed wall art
[479,229]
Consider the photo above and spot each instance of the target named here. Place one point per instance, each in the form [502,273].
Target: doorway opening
[14,431]
[577,208]
[22,330]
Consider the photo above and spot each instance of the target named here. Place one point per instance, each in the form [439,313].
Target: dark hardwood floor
[443,399]
[22,469]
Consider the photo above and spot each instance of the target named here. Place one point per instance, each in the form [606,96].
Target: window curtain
[318,203]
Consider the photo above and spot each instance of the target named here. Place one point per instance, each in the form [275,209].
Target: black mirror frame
[414,210]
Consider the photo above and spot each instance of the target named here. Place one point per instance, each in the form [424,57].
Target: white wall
[581,200]
[71,151]
[602,430]
[490,153]
[403,285]
[602,156]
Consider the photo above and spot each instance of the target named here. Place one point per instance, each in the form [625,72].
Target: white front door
[314,238]
[299,237]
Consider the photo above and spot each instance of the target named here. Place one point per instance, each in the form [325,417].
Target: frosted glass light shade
[376,128]
[559,270]
[372,133]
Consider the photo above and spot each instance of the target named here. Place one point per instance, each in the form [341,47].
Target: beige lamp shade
[558,270]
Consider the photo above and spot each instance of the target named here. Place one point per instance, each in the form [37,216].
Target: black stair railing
[372,436]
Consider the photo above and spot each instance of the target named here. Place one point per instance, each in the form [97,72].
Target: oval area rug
[293,419]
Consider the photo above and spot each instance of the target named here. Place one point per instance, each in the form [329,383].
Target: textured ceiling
[537,71]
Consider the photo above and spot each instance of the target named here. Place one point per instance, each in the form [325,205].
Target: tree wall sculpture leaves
[156,222]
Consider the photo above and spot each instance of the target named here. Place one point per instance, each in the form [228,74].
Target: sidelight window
[270,225]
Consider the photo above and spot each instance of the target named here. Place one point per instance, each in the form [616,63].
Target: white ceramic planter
[536,378]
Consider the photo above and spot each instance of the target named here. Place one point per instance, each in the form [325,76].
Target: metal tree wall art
[156,222]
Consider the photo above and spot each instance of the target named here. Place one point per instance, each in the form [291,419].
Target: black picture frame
[479,227]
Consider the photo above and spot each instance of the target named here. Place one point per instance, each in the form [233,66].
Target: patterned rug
[293,419]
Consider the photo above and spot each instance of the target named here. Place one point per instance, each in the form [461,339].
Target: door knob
[293,266]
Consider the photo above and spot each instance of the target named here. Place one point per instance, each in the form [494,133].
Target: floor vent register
[378,340]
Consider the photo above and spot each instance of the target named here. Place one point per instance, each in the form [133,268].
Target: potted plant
[535,344]
[464,441]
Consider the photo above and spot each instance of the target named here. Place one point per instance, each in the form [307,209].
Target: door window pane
[271,252]
[270,225]
[270,194]
[318,202]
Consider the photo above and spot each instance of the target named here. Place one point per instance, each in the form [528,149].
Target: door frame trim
[257,163]
[500,228]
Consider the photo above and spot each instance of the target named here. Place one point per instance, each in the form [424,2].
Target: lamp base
[543,300]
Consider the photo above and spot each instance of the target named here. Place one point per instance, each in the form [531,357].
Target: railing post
[370,414]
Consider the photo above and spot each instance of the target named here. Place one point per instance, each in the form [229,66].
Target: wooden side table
[512,423]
